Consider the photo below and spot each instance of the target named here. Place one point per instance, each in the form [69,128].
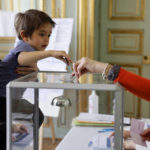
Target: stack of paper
[86,119]
[90,123]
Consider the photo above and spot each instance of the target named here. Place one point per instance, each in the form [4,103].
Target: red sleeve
[134,83]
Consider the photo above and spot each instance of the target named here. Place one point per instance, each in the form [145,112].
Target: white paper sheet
[45,98]
[7,23]
[137,127]
[60,40]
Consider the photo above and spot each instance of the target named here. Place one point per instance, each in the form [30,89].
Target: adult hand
[85,65]
[126,134]
[129,145]
[17,127]
[146,134]
[26,70]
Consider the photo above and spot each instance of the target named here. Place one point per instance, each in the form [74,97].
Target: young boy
[33,28]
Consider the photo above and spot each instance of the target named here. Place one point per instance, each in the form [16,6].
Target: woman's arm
[134,83]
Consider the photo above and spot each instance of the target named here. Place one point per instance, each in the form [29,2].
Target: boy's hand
[61,55]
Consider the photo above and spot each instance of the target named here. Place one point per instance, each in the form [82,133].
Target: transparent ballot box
[58,98]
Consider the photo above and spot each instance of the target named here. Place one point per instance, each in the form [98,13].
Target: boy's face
[40,37]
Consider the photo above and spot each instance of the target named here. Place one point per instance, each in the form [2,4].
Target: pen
[106,130]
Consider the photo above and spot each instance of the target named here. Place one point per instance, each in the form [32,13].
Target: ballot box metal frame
[20,83]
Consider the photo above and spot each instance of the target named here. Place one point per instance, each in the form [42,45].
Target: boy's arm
[28,58]
[24,70]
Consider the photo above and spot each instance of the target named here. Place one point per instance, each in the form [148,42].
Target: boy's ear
[23,36]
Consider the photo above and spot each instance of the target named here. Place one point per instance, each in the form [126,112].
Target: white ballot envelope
[137,127]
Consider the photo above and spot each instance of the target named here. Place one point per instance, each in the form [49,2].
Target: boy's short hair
[31,20]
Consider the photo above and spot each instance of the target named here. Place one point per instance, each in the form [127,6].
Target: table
[78,138]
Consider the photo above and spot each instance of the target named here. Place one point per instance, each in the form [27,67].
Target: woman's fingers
[75,70]
[79,67]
